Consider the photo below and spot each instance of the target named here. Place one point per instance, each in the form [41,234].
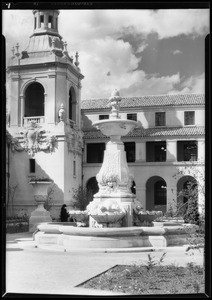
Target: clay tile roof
[153,132]
[146,101]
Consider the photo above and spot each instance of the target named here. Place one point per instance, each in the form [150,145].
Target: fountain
[111,211]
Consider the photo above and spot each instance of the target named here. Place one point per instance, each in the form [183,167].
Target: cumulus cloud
[174,52]
[194,84]
[98,36]
[191,85]
[154,85]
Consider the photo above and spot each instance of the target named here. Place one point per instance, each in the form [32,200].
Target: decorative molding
[32,140]
[74,140]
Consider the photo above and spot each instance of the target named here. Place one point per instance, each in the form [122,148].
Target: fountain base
[70,238]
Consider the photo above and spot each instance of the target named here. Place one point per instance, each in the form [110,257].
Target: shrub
[81,198]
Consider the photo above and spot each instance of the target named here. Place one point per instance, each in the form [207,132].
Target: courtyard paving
[31,270]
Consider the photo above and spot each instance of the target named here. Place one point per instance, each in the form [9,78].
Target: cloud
[194,84]
[155,85]
[174,52]
[191,85]
[141,47]
[100,37]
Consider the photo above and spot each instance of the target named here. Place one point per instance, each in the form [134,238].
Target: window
[32,165]
[156,151]
[95,152]
[132,117]
[160,119]
[130,151]
[160,192]
[74,168]
[187,150]
[189,118]
[42,21]
[35,23]
[103,117]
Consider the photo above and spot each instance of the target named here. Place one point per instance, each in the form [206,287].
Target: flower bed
[17,225]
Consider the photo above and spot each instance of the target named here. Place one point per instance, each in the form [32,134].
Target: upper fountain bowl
[115,127]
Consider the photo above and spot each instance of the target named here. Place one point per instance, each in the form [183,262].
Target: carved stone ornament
[32,140]
[62,113]
[75,141]
[114,176]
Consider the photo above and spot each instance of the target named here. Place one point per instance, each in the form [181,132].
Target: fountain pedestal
[114,178]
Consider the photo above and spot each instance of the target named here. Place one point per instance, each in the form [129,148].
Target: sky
[139,52]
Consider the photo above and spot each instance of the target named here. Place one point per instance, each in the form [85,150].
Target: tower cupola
[46,22]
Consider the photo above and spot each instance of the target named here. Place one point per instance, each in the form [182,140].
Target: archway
[156,195]
[72,105]
[34,100]
[187,186]
[133,187]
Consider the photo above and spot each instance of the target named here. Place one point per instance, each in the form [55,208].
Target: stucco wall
[146,118]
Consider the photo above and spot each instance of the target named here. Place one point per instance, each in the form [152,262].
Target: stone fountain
[114,179]
[114,201]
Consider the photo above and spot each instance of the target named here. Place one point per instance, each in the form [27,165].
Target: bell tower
[43,76]
[44,96]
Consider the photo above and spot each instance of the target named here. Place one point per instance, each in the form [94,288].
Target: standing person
[64,215]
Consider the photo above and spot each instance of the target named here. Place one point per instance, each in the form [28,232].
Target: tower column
[22,109]
[46,21]
[38,20]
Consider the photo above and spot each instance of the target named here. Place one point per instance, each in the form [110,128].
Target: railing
[38,120]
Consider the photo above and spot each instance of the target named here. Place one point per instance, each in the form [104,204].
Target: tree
[50,198]
[10,198]
[193,209]
[81,198]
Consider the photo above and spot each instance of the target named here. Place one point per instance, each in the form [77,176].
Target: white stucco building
[50,132]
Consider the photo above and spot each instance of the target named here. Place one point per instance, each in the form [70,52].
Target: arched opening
[92,186]
[187,187]
[72,105]
[133,188]
[156,194]
[34,100]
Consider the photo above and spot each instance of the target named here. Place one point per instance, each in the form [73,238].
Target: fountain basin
[78,238]
[115,127]
[108,218]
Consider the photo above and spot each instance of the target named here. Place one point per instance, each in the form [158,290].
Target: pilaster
[171,198]
[171,150]
[141,196]
[140,151]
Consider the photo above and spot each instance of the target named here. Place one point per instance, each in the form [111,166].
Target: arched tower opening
[34,100]
[72,105]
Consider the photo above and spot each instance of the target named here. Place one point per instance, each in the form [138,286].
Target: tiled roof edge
[152,132]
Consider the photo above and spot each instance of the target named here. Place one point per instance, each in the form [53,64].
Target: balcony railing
[39,119]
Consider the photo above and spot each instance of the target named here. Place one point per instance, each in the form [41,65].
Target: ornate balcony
[37,119]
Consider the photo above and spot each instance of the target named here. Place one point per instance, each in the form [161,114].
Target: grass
[149,279]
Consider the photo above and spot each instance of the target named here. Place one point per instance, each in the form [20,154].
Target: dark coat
[64,215]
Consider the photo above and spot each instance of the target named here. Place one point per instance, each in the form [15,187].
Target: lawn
[150,279]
